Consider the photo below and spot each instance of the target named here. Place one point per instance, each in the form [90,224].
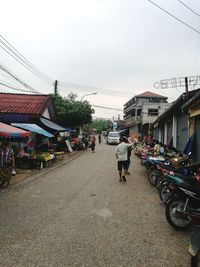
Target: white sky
[116,45]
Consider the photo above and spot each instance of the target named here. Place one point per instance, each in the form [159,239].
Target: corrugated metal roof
[150,94]
[23,104]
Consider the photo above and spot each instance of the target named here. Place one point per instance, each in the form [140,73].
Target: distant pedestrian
[99,137]
[121,153]
[93,143]
[129,150]
[75,141]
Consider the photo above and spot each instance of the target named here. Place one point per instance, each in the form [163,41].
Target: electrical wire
[97,106]
[192,10]
[87,88]
[13,88]
[20,61]
[10,84]
[25,62]
[181,21]
[14,82]
[19,80]
[48,78]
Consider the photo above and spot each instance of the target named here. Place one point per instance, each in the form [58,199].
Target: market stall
[37,158]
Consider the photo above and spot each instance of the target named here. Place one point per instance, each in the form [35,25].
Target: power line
[19,80]
[106,107]
[8,48]
[9,78]
[87,88]
[192,10]
[13,88]
[20,62]
[192,28]
[24,58]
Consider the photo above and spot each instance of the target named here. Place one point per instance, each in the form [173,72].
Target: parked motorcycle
[163,183]
[183,195]
[185,168]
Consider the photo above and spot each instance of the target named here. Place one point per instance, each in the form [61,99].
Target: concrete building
[177,125]
[142,110]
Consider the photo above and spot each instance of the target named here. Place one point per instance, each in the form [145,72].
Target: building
[142,110]
[26,109]
[177,125]
[192,106]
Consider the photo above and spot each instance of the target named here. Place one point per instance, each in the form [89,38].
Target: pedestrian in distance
[99,137]
[93,143]
[129,150]
[121,153]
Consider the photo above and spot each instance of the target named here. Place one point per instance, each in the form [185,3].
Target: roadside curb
[41,173]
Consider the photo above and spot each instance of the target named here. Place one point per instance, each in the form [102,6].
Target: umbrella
[10,131]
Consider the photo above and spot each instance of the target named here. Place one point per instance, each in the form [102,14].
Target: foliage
[101,125]
[71,112]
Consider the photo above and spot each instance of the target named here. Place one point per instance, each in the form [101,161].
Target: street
[80,215]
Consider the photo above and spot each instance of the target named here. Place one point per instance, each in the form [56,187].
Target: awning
[34,128]
[9,131]
[124,131]
[52,125]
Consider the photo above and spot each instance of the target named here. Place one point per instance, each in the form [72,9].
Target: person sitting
[23,152]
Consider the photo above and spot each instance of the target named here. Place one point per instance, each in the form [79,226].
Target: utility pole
[186,87]
[56,87]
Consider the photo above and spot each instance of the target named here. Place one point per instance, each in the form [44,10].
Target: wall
[182,131]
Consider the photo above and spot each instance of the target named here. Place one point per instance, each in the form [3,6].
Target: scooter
[184,195]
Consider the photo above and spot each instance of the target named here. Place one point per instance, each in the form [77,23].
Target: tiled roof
[24,104]
[150,94]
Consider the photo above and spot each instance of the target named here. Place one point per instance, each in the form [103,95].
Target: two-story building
[142,110]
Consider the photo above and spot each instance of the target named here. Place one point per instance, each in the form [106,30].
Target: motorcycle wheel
[160,179]
[147,165]
[176,216]
[163,190]
[195,260]
[153,177]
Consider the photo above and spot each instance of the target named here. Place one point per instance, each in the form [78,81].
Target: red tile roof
[150,94]
[24,104]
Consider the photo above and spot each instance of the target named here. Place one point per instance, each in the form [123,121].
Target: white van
[113,138]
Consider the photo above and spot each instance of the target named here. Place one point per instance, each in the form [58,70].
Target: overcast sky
[117,48]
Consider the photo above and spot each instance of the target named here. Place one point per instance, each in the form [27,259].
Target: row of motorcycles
[177,179]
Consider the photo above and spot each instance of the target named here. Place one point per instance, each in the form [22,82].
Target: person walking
[129,150]
[99,137]
[93,143]
[121,153]
[7,162]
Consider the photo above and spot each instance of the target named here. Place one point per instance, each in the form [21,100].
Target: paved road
[79,215]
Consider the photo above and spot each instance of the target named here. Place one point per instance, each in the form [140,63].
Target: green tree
[71,112]
[101,125]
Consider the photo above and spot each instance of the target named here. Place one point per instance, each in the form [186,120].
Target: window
[139,112]
[153,112]
[133,112]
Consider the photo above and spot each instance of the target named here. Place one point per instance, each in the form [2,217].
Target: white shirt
[122,151]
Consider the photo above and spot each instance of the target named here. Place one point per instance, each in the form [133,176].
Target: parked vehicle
[183,195]
[113,138]
[157,176]
[171,174]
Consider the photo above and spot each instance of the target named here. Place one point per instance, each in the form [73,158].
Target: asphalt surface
[80,215]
